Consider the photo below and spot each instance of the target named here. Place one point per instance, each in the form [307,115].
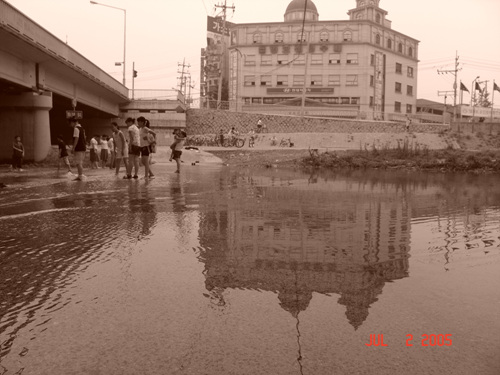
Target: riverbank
[437,160]
[449,151]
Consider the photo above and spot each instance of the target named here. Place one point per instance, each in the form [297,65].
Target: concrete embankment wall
[206,121]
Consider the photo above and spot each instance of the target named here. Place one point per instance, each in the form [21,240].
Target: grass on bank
[407,156]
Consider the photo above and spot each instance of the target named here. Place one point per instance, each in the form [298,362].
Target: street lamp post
[473,95]
[124,33]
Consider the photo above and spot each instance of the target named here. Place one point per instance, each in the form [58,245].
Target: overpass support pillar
[25,115]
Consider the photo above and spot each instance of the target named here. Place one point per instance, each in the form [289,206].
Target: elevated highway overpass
[40,76]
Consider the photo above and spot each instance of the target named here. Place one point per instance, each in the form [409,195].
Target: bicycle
[286,142]
[234,142]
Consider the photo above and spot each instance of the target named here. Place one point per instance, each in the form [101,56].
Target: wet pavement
[222,271]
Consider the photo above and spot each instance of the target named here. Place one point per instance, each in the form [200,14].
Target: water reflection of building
[297,242]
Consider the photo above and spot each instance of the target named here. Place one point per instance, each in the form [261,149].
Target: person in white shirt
[104,151]
[94,159]
[134,148]
[111,147]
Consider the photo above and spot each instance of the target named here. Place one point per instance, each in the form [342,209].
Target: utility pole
[182,79]
[223,52]
[455,73]
[445,94]
[189,86]
[134,74]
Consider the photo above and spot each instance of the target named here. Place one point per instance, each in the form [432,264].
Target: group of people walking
[139,147]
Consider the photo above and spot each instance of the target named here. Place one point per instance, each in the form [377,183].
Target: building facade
[358,68]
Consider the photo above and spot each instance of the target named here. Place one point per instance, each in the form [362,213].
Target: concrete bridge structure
[40,78]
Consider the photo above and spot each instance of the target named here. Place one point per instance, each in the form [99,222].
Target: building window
[359,16]
[345,100]
[352,58]
[334,80]
[389,43]
[372,101]
[398,87]
[257,38]
[351,80]
[334,58]
[298,80]
[278,38]
[317,59]
[316,80]
[410,52]
[282,81]
[372,81]
[301,37]
[247,100]
[354,100]
[378,18]
[265,80]
[273,100]
[410,72]
[249,80]
[299,60]
[282,59]
[409,108]
[266,59]
[400,47]
[323,36]
[409,90]
[399,68]
[256,100]
[250,60]
[347,36]
[377,38]
[372,60]
[397,107]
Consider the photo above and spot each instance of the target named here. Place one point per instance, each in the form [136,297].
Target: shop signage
[300,90]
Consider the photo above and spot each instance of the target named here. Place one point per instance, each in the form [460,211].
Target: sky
[162,34]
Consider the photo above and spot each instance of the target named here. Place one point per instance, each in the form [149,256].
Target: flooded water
[216,271]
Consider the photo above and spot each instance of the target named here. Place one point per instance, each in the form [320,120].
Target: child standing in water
[17,154]
[63,154]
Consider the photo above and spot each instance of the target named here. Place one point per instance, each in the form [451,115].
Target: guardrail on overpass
[19,25]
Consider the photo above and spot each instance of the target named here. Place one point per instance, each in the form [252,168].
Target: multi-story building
[359,67]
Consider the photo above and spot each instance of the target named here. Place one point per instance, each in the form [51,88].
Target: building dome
[299,5]
[295,11]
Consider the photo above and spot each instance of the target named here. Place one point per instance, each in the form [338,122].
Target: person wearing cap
[79,146]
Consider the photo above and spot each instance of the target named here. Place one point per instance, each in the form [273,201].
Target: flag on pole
[495,87]
[463,88]
[478,88]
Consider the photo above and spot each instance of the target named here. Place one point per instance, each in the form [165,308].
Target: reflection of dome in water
[295,11]
[358,302]
[294,301]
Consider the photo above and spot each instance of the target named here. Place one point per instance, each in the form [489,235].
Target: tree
[482,99]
